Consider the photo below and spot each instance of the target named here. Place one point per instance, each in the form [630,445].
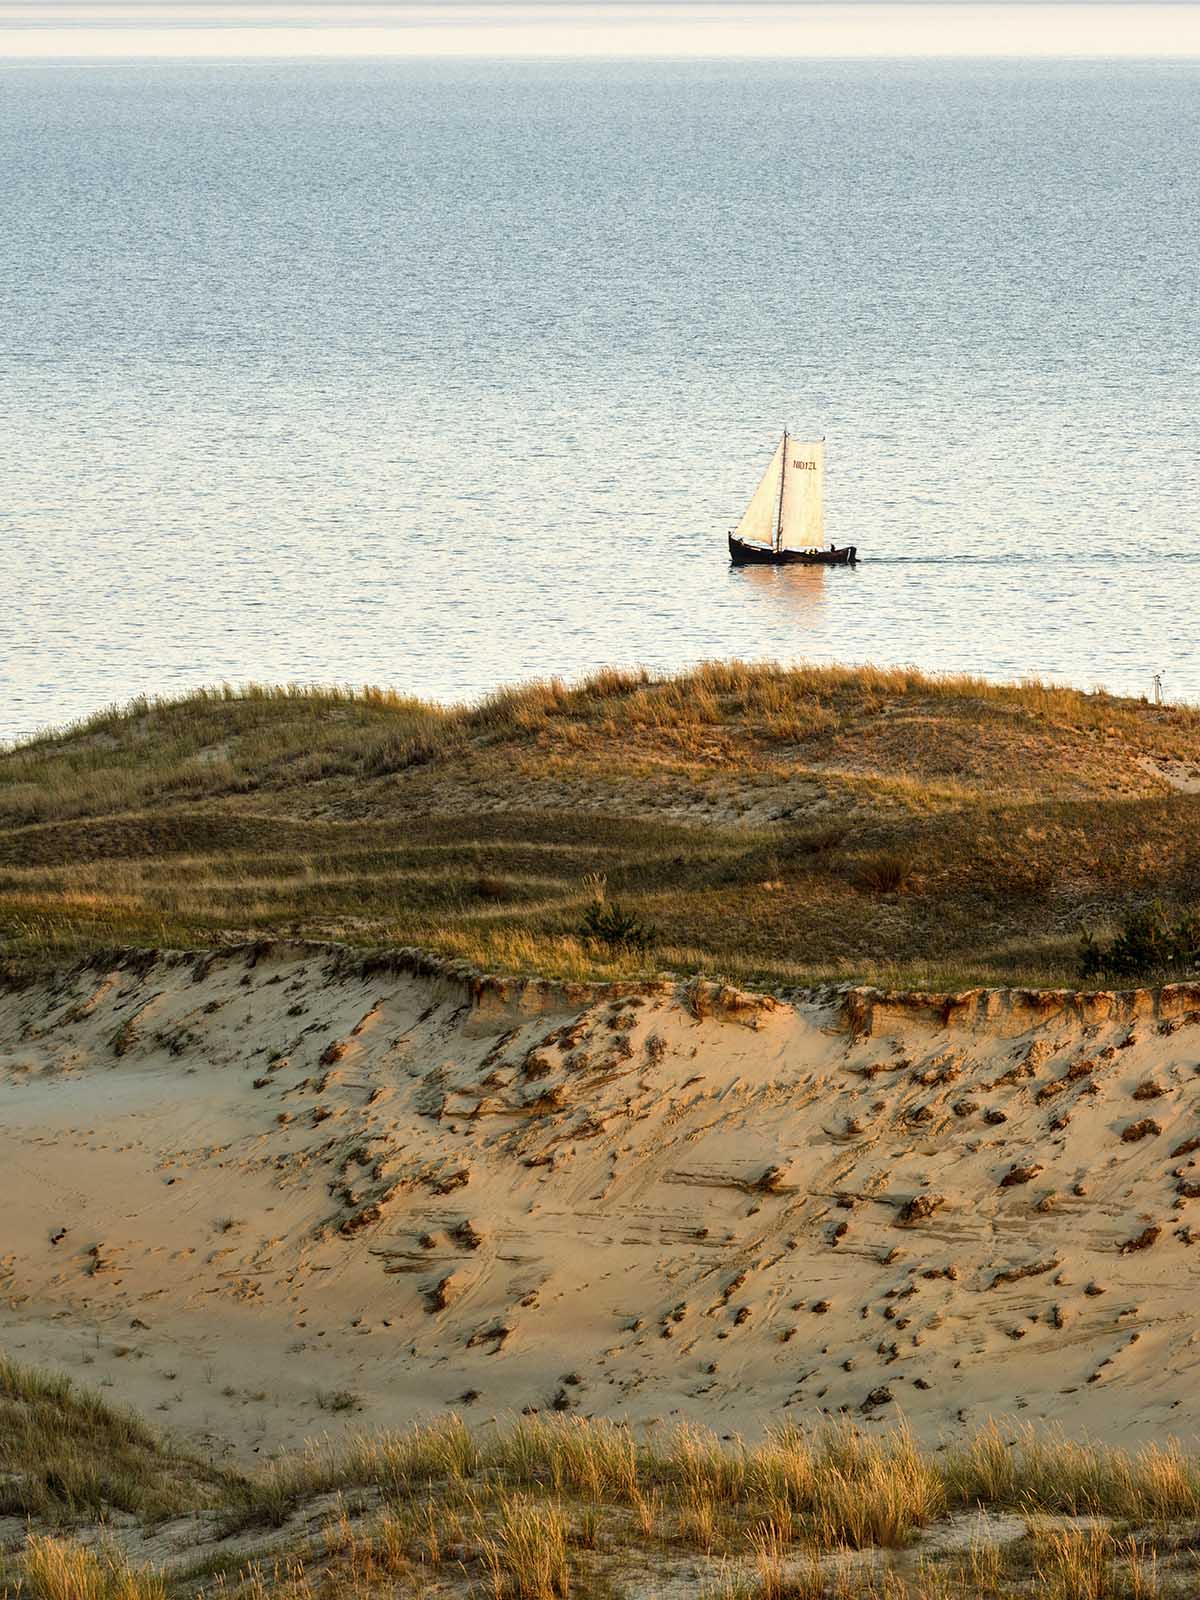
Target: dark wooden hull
[747,555]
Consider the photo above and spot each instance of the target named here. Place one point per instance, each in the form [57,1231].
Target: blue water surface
[447,374]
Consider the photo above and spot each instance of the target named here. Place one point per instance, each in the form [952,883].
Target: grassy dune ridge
[778,826]
[548,1507]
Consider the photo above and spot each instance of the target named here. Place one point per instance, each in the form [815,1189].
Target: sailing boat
[784,521]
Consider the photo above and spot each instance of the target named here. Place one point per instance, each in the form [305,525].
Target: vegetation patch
[552,1507]
[65,1454]
[775,827]
[1150,946]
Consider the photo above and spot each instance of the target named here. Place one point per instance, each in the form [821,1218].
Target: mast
[782,475]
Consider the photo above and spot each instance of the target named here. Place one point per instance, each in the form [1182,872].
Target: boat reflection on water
[799,591]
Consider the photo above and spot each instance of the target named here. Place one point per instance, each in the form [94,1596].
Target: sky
[33,29]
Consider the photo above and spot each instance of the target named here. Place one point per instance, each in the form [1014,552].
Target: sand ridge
[268,1194]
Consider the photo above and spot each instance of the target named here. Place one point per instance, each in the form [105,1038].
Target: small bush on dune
[817,841]
[608,923]
[887,872]
[400,751]
[1149,945]
[488,887]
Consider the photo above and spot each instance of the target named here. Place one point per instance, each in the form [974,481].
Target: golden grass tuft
[527,1559]
[60,1569]
[1091,1563]
[1045,1472]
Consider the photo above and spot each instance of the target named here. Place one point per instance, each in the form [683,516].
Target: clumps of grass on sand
[549,1508]
[1047,1473]
[58,1569]
[65,1453]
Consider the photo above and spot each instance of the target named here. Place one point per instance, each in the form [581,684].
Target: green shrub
[1149,945]
[610,924]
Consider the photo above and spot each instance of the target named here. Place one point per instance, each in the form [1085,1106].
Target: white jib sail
[803,494]
[761,517]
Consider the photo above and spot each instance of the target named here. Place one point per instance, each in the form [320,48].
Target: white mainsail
[761,519]
[788,515]
[801,522]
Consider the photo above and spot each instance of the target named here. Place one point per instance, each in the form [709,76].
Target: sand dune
[281,1191]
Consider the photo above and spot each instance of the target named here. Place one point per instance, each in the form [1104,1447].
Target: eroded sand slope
[250,1190]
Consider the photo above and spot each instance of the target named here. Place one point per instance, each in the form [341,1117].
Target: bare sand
[282,1193]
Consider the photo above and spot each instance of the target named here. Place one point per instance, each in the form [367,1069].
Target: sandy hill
[275,1191]
[778,827]
[270,1188]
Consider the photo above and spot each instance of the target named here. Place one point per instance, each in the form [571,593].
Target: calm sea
[441,375]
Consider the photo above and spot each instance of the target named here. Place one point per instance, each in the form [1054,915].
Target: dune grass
[778,827]
[58,1569]
[65,1453]
[550,1507]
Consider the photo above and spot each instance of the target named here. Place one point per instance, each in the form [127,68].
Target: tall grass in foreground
[843,1487]
[554,1508]
[54,1569]
[65,1453]
[527,1558]
[1046,1472]
[834,1487]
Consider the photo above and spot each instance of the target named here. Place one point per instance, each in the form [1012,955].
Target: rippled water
[445,374]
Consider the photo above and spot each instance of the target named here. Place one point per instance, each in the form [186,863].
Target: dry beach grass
[545,1508]
[777,826]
